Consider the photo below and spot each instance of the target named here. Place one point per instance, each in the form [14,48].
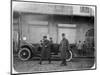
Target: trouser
[42,57]
[79,51]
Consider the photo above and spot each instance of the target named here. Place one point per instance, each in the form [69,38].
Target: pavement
[33,66]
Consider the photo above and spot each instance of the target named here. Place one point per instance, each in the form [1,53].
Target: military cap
[44,36]
[63,34]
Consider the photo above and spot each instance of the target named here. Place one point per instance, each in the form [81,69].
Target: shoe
[40,63]
[65,64]
[49,62]
[61,64]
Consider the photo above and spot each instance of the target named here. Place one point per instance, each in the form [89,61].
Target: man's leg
[41,56]
[49,59]
[40,60]
[49,56]
[79,52]
[65,62]
[62,62]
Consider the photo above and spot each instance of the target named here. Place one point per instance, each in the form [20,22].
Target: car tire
[69,56]
[24,54]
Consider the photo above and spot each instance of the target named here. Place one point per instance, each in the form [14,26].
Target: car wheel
[68,55]
[24,54]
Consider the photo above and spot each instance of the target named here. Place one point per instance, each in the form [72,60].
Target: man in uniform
[79,47]
[64,47]
[45,53]
[84,48]
[51,41]
[51,44]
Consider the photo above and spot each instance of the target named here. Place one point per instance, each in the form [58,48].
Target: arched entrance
[89,37]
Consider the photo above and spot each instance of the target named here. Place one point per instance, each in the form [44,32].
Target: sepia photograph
[52,37]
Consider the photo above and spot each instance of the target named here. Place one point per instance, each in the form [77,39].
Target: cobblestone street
[33,66]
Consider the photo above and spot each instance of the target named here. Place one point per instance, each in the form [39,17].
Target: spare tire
[24,54]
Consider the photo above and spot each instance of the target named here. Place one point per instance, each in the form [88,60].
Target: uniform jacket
[45,53]
[64,46]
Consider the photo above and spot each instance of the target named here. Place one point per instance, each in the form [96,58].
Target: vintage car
[29,50]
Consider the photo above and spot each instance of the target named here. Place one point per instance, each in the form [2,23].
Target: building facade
[33,20]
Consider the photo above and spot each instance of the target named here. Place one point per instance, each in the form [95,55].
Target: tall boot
[40,61]
[65,62]
[49,61]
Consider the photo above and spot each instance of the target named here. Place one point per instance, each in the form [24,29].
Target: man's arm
[47,43]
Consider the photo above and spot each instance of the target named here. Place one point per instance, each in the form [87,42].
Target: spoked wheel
[68,55]
[24,54]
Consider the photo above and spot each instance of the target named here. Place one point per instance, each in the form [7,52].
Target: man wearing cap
[64,46]
[45,53]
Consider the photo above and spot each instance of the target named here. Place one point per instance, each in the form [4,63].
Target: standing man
[51,41]
[64,47]
[79,47]
[51,44]
[84,48]
[45,53]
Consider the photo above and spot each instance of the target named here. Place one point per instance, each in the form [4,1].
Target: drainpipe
[19,31]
